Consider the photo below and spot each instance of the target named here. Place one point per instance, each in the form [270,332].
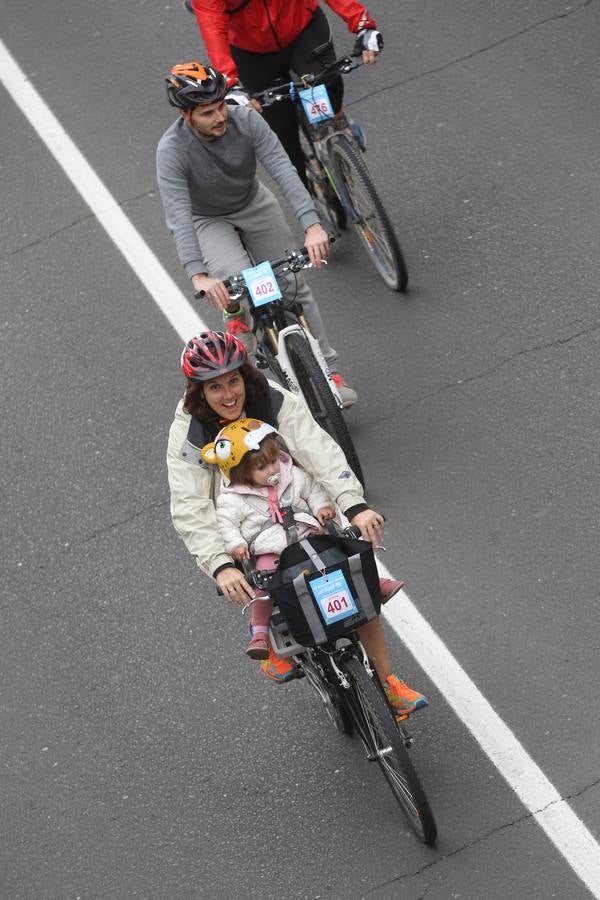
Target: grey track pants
[259,231]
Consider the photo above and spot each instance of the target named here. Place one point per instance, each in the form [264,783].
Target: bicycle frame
[321,137]
[270,326]
[328,657]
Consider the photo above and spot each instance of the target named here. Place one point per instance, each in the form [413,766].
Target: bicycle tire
[332,703]
[373,225]
[319,398]
[382,733]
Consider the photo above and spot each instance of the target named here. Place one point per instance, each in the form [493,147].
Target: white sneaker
[348,395]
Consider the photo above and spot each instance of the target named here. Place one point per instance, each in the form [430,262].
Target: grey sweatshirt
[213,178]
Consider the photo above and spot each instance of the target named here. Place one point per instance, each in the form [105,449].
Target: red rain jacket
[263,26]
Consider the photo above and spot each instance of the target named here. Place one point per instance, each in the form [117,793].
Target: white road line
[128,241]
[554,815]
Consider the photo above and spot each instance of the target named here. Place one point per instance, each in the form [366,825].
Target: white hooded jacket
[244,511]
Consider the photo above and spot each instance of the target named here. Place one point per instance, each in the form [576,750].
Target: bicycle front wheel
[372,223]
[387,747]
[321,402]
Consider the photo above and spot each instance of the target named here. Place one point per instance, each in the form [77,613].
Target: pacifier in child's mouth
[274,480]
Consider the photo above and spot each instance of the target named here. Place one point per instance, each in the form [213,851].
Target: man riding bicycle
[222,217]
[259,42]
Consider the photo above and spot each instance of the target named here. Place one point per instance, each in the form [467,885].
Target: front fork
[277,341]
[321,148]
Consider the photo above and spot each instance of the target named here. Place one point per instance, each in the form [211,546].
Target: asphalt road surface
[141,754]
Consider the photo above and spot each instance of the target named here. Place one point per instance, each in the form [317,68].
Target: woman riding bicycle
[222,386]
[260,43]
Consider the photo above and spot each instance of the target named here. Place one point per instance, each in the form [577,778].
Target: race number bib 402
[333,597]
[261,284]
[316,103]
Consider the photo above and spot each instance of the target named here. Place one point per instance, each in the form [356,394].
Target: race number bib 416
[316,103]
[261,284]
[333,597]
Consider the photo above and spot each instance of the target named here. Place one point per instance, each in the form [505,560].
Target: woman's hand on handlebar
[234,586]
[371,525]
[215,291]
[317,243]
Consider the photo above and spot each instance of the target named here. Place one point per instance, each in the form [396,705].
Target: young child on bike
[260,480]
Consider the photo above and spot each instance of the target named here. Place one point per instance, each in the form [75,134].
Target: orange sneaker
[279,669]
[401,698]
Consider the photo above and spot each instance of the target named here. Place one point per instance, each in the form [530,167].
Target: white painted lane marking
[554,815]
[566,831]
[128,241]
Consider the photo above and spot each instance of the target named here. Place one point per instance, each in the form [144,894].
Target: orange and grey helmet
[192,83]
[234,441]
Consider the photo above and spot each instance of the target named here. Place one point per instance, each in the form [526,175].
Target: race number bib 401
[316,103]
[333,597]
[261,284]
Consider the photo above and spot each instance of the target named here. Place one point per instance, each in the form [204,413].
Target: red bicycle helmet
[192,83]
[211,354]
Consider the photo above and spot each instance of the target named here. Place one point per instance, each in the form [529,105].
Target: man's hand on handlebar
[215,291]
[369,43]
[316,241]
[234,586]
[371,525]
[237,96]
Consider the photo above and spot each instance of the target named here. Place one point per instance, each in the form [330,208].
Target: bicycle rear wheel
[387,747]
[319,398]
[372,223]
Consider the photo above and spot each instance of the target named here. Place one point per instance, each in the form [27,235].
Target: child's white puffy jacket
[244,512]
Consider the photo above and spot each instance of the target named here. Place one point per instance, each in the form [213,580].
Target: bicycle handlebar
[288,91]
[352,531]
[295,259]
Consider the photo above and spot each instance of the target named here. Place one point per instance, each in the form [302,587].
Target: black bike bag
[325,587]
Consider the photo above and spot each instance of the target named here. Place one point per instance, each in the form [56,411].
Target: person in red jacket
[256,42]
